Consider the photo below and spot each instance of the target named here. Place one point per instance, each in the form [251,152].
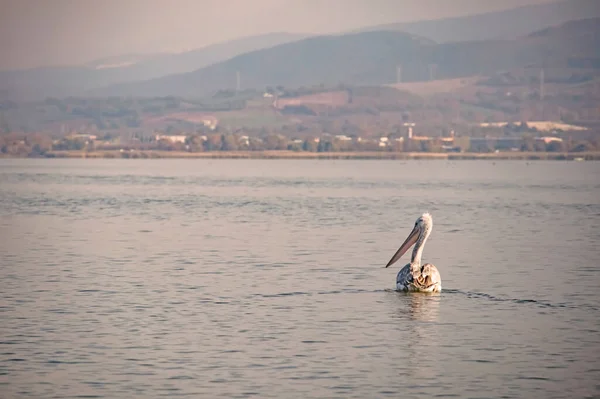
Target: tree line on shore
[39,145]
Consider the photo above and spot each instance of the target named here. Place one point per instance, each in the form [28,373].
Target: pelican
[413,276]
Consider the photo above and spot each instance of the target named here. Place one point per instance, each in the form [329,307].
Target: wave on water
[468,294]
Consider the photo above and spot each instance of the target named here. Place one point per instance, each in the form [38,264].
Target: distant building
[172,139]
[210,122]
[244,140]
[549,139]
[501,143]
[90,137]
[410,126]
[542,126]
[420,138]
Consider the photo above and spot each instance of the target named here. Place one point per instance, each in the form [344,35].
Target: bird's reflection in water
[418,314]
[415,306]
[424,306]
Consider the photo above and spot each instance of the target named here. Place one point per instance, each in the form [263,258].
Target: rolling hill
[372,58]
[22,85]
[508,24]
[357,58]
[115,74]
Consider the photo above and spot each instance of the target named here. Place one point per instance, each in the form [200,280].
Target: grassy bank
[326,155]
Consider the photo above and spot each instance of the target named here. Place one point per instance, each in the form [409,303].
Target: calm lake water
[265,278]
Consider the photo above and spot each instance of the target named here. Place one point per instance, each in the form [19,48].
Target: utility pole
[542,84]
[542,91]
[399,73]
[432,68]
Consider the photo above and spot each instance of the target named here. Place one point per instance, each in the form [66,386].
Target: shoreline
[284,154]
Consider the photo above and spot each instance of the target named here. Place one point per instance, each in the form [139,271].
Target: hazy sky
[67,32]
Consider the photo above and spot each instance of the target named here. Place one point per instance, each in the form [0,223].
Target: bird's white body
[414,276]
[429,281]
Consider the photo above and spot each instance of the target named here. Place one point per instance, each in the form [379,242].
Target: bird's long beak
[410,240]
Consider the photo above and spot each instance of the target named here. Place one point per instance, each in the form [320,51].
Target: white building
[172,139]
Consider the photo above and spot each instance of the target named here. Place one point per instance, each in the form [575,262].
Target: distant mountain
[123,60]
[167,64]
[508,24]
[358,58]
[329,55]
[64,81]
[372,58]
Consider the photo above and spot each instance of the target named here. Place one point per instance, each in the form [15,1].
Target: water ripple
[248,278]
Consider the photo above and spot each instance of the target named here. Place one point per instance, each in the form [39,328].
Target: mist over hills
[38,83]
[508,24]
[354,58]
[472,82]
[372,58]
[152,66]
[477,44]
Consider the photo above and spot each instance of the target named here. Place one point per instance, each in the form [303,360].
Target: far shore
[142,154]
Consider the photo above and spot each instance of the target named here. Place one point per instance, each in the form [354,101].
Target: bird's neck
[415,259]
